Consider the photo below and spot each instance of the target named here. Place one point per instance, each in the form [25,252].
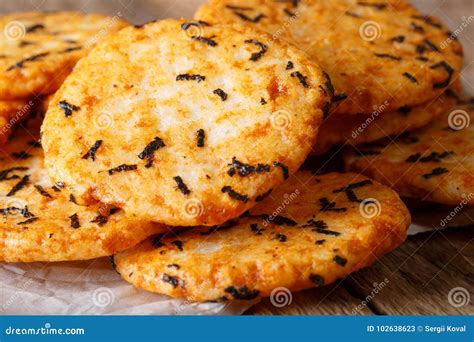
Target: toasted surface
[194,138]
[431,164]
[340,129]
[40,49]
[375,52]
[40,222]
[308,232]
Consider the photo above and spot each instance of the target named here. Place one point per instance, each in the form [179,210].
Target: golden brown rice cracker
[309,232]
[339,129]
[197,136]
[376,52]
[432,164]
[39,50]
[40,221]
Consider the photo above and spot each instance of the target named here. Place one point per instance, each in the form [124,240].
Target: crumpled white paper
[90,288]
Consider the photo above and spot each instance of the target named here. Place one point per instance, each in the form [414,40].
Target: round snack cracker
[339,129]
[309,232]
[432,164]
[375,52]
[181,128]
[40,49]
[39,221]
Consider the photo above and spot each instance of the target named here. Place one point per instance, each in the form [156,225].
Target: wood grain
[417,278]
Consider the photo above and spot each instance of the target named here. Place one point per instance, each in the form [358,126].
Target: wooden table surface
[415,279]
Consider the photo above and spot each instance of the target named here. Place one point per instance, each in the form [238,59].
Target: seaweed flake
[175,266]
[22,211]
[60,184]
[242,293]
[245,17]
[321,227]
[71,49]
[190,77]
[34,28]
[178,244]
[222,94]
[18,186]
[281,237]
[185,26]
[432,157]
[386,55]
[34,143]
[289,65]
[430,45]
[410,77]
[289,13]
[181,186]
[201,135]
[448,69]
[262,101]
[21,63]
[239,8]
[349,190]
[156,240]
[340,260]
[68,108]
[75,221]
[256,229]
[283,168]
[30,220]
[72,199]
[339,97]
[234,194]
[261,197]
[301,78]
[417,28]
[428,20]
[398,39]
[326,205]
[150,149]
[122,168]
[435,172]
[42,191]
[316,279]
[92,151]
[257,55]
[21,155]
[209,41]
[407,138]
[377,5]
[244,170]
[352,14]
[173,281]
[319,242]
